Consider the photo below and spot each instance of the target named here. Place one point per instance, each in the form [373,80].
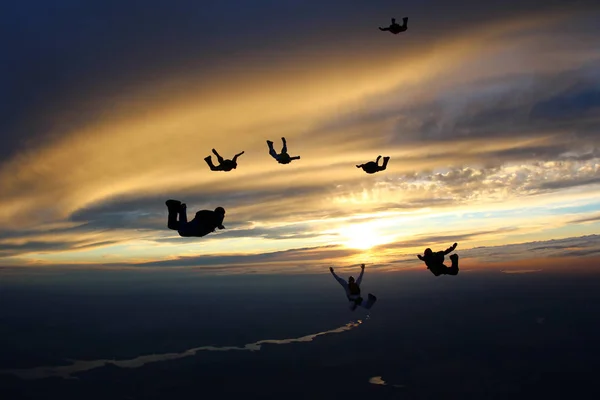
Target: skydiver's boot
[173,205]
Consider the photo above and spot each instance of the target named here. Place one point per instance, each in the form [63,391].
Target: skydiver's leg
[370,301]
[219,158]
[183,214]
[182,220]
[210,164]
[438,270]
[453,270]
[385,163]
[384,29]
[272,151]
[355,301]
[174,207]
[284,149]
[404,22]
[236,157]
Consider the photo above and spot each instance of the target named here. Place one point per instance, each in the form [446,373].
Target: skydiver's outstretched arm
[420,257]
[294,158]
[219,158]
[337,278]
[236,156]
[450,249]
[384,29]
[362,272]
[360,166]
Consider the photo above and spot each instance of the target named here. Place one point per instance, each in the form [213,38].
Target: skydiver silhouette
[352,289]
[396,28]
[224,165]
[284,157]
[372,166]
[204,222]
[435,261]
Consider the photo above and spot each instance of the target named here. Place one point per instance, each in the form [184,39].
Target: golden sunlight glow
[361,236]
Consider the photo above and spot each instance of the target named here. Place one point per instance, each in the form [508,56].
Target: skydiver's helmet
[428,252]
[220,210]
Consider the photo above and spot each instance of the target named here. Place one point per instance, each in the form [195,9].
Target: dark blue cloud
[579,101]
[66,60]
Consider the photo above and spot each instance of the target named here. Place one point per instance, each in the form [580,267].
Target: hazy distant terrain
[488,334]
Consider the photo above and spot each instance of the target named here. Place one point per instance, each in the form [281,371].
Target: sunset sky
[490,114]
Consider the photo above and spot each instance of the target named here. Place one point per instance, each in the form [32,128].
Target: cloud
[307,255]
[445,240]
[126,129]
[593,218]
[557,248]
[521,271]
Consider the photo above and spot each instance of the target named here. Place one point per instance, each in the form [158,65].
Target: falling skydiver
[224,165]
[372,166]
[284,157]
[435,261]
[397,28]
[204,222]
[352,289]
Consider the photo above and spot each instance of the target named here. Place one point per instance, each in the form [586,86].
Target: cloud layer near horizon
[485,114]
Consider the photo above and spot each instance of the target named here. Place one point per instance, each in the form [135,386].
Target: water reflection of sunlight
[77,366]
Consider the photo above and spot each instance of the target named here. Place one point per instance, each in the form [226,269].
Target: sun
[361,236]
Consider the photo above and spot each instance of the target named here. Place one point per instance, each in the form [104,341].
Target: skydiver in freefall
[204,222]
[396,28]
[352,289]
[284,157]
[224,165]
[435,261]
[372,166]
